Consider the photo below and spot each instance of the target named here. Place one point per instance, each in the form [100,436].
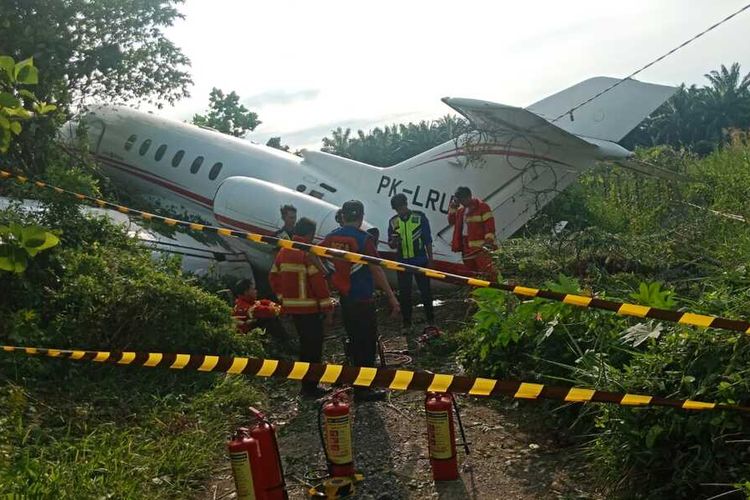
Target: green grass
[107,432]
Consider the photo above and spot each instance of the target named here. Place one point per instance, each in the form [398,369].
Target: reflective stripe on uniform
[300,302]
[295,268]
[324,303]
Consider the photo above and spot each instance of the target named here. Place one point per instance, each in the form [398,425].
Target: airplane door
[95,130]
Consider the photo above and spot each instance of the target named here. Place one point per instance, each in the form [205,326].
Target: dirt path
[506,459]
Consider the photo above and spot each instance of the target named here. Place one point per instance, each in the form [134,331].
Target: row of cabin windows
[176,159]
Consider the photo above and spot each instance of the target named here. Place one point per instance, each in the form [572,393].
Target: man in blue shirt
[356,284]
[409,234]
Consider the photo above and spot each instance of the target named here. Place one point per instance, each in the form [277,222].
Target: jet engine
[251,204]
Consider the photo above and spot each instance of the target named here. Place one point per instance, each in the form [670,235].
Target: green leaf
[27,94]
[13,259]
[652,434]
[4,139]
[564,284]
[8,100]
[45,108]
[35,239]
[25,72]
[18,112]
[15,127]
[7,64]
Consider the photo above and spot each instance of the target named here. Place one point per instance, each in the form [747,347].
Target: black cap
[352,210]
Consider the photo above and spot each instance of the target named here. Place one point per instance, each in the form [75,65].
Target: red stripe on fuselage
[244,226]
[438,265]
[154,179]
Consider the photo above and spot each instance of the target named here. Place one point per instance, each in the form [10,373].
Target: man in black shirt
[289,217]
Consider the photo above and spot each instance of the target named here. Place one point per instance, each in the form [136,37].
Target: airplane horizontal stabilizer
[501,120]
[620,106]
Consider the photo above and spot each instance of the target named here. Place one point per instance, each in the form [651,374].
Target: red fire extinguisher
[255,460]
[336,435]
[441,436]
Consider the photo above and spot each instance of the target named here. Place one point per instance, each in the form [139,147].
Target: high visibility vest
[410,233]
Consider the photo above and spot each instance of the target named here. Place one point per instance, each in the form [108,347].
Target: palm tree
[339,143]
[699,118]
[727,101]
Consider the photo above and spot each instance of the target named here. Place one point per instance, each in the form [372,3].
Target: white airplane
[527,159]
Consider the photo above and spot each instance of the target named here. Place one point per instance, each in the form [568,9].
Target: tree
[275,142]
[105,49]
[699,118]
[728,99]
[395,143]
[227,115]
[17,104]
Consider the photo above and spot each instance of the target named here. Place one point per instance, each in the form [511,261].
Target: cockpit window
[177,158]
[214,172]
[144,147]
[160,152]
[129,143]
[196,165]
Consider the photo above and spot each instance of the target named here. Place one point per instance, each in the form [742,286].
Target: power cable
[658,59]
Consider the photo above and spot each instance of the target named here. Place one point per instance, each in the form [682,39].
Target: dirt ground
[509,457]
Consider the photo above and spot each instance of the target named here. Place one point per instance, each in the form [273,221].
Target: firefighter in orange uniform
[473,231]
[302,289]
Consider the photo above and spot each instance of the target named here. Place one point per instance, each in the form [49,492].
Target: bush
[70,430]
[638,240]
[100,290]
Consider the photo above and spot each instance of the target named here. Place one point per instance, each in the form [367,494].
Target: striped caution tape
[388,378]
[621,308]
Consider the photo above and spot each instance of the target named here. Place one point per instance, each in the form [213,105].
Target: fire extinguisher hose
[322,436]
[460,424]
[281,465]
[260,417]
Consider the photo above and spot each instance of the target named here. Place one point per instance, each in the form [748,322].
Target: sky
[307,67]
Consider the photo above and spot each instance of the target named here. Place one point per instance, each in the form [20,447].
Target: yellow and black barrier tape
[621,308]
[387,378]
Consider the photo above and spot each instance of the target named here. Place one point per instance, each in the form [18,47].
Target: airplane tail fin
[529,156]
[610,116]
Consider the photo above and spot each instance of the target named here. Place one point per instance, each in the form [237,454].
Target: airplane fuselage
[232,182]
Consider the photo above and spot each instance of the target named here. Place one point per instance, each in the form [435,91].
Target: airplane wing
[203,257]
[498,118]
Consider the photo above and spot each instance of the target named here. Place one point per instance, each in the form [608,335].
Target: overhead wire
[655,61]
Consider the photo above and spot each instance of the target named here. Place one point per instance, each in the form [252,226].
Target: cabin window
[301,188]
[129,143]
[177,158]
[144,147]
[315,194]
[328,187]
[214,172]
[160,152]
[196,165]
